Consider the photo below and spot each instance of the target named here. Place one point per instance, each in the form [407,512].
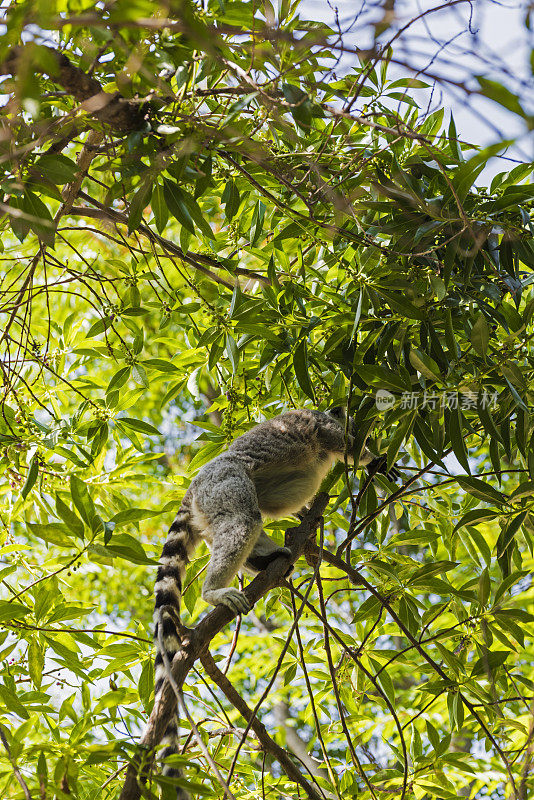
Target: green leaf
[138,203]
[40,220]
[507,583]
[482,490]
[525,489]
[467,173]
[484,586]
[35,662]
[487,420]
[53,533]
[119,379]
[33,473]
[124,546]
[196,215]
[369,609]
[160,209]
[174,200]
[425,365]
[232,352]
[9,611]
[475,516]
[185,209]
[399,304]
[300,365]
[510,375]
[387,686]
[82,499]
[500,94]
[146,684]
[453,426]
[440,290]
[160,364]
[56,168]
[480,335]
[139,425]
[11,701]
[413,537]
[489,662]
[507,535]
[432,569]
[402,432]
[19,225]
[130,515]
[232,199]
[99,326]
[205,180]
[454,142]
[70,519]
[380,377]
[256,226]
[301,108]
[139,374]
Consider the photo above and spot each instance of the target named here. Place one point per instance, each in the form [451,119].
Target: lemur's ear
[338,412]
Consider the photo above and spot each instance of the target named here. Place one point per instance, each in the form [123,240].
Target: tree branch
[113,109]
[196,641]
[268,744]
[195,260]
[357,578]
[69,193]
[16,771]
[294,742]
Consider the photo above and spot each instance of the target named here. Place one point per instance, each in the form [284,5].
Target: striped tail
[181,542]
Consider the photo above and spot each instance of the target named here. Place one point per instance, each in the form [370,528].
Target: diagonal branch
[199,261]
[16,770]
[268,744]
[197,640]
[69,194]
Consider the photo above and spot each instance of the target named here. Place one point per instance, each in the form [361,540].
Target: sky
[460,40]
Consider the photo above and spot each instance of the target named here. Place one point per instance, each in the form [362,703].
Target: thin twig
[16,771]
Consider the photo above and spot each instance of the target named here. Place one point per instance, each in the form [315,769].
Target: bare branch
[16,771]
[195,641]
[268,744]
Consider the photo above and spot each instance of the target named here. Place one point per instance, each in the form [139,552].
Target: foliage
[254,233]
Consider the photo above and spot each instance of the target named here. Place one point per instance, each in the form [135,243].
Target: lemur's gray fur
[271,471]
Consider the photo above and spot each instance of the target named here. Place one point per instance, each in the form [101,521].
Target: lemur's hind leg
[229,505]
[265,551]
[233,538]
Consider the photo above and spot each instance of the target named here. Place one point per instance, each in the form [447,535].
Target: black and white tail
[181,542]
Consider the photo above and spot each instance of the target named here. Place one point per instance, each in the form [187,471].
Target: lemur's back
[288,439]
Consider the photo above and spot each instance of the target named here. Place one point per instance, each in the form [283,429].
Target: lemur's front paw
[284,551]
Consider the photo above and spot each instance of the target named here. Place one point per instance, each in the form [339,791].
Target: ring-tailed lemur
[272,470]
